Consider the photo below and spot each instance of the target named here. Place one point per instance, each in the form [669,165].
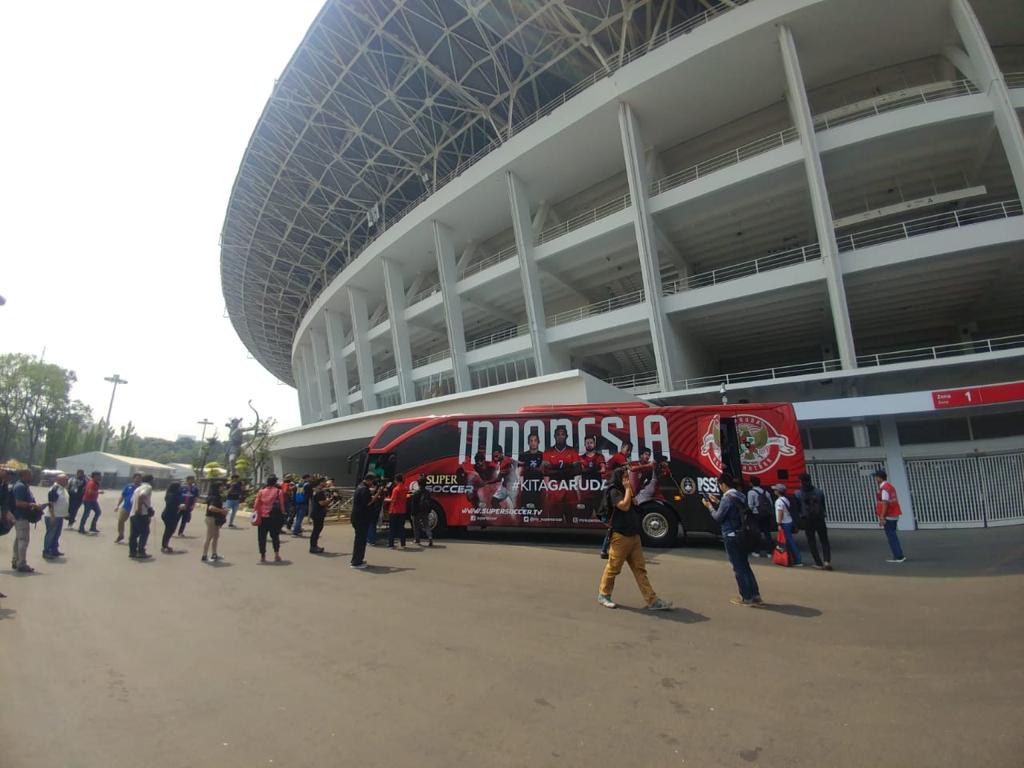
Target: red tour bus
[546,466]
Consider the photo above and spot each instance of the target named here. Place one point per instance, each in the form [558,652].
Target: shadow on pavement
[7,613]
[221,564]
[332,554]
[800,611]
[381,570]
[679,615]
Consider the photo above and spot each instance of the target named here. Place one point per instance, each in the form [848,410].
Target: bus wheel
[437,522]
[658,526]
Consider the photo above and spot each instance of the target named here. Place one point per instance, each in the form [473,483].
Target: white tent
[112,465]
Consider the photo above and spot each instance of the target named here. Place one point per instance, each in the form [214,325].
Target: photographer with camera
[727,510]
[626,546]
[25,510]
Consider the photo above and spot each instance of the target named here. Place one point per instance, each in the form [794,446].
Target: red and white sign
[986,395]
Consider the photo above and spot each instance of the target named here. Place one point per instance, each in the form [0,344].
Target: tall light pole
[115,380]
[205,423]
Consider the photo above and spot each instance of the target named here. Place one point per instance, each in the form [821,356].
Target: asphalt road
[492,651]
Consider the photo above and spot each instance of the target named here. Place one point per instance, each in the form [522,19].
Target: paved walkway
[491,651]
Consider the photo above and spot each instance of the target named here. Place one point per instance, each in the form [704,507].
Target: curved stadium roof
[385,101]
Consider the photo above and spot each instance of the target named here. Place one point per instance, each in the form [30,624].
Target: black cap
[880,473]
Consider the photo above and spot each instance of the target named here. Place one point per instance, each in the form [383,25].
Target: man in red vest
[887,509]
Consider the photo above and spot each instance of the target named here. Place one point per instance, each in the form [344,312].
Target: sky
[123,128]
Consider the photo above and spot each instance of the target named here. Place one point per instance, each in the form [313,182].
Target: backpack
[749,534]
[764,503]
[604,508]
[421,500]
[811,506]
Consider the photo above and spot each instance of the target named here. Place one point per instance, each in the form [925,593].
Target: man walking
[26,512]
[364,509]
[233,499]
[124,505]
[76,490]
[396,512]
[91,503]
[300,498]
[760,501]
[421,512]
[141,514]
[729,516]
[56,512]
[189,496]
[887,509]
[318,512]
[812,506]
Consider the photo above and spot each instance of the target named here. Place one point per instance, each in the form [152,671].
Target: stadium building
[463,205]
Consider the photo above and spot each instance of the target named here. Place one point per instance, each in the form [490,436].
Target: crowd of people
[745,518]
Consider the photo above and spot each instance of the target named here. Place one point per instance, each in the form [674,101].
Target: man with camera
[365,509]
[25,510]
[727,510]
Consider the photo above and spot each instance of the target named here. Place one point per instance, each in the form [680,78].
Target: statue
[236,439]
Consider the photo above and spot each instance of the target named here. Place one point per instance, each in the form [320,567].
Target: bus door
[730,447]
[382,465]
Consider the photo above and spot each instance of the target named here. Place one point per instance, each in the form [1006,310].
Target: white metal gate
[849,491]
[968,491]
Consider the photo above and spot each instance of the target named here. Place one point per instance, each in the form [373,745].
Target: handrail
[1014,79]
[995,344]
[585,218]
[503,335]
[424,294]
[734,271]
[902,230]
[637,383]
[905,97]
[495,258]
[597,308]
[434,357]
[724,160]
[760,374]
[384,375]
[504,135]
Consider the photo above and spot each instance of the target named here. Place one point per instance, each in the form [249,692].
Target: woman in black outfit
[171,514]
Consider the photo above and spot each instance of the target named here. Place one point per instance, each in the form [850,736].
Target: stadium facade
[454,205]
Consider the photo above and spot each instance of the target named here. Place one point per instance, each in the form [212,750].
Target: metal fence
[849,491]
[968,491]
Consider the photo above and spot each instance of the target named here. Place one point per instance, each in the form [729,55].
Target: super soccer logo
[760,444]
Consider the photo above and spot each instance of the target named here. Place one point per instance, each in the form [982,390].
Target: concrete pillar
[989,78]
[300,387]
[335,333]
[800,110]
[897,470]
[318,339]
[394,290]
[315,399]
[522,224]
[663,335]
[364,357]
[448,277]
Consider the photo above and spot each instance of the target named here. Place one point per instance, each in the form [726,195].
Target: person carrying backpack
[812,507]
[784,518]
[421,512]
[300,499]
[729,511]
[760,502]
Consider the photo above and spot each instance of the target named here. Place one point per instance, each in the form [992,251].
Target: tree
[66,434]
[257,451]
[126,440]
[14,398]
[33,396]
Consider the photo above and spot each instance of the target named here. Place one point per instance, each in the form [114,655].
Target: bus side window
[730,447]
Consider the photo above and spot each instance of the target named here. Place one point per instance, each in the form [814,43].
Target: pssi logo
[761,445]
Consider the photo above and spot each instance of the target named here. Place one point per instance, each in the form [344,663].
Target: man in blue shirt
[301,499]
[729,516]
[189,495]
[25,511]
[124,506]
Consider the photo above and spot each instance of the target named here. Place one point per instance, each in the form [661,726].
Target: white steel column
[522,224]
[896,468]
[394,290]
[663,335]
[300,387]
[364,358]
[800,110]
[316,400]
[448,277]
[320,357]
[989,78]
[335,347]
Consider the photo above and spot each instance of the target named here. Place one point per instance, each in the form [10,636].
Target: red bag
[781,555]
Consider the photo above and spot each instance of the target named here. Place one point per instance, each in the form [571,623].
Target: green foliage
[126,440]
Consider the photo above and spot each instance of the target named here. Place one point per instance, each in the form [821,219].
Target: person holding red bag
[785,521]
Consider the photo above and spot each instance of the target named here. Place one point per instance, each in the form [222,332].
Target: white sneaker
[896,560]
[606,601]
[659,605]
[360,567]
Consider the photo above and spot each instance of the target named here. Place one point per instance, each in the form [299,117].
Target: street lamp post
[205,423]
[115,380]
